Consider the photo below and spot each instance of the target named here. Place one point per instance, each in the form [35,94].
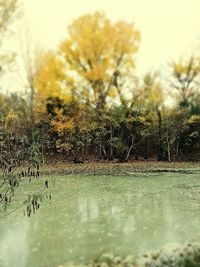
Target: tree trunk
[177,149]
[148,147]
[100,149]
[168,150]
[130,149]
[32,115]
[104,151]
[160,148]
[111,139]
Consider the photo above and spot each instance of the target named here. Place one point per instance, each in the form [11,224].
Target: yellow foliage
[50,78]
[151,92]
[61,126]
[61,123]
[85,65]
[194,119]
[112,92]
[96,48]
[12,116]
[189,67]
[12,122]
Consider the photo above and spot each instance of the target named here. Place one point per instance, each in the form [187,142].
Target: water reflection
[94,215]
[14,245]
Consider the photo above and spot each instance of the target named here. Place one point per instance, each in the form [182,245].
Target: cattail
[46,184]
[33,204]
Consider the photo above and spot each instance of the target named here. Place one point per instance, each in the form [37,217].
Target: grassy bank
[185,256]
[104,168]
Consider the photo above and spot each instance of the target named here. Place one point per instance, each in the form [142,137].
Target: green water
[93,215]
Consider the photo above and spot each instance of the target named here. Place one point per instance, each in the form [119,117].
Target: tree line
[86,102]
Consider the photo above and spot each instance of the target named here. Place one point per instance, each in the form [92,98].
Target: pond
[93,215]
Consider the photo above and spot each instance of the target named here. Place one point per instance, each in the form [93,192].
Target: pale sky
[169,28]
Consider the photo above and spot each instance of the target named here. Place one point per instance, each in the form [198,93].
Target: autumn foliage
[87,102]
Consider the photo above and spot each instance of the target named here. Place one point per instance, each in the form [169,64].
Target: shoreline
[130,168]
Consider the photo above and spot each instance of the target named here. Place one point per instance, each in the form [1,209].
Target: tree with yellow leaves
[185,75]
[49,78]
[153,101]
[8,10]
[87,66]
[96,52]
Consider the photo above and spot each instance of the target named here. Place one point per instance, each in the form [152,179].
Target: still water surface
[93,215]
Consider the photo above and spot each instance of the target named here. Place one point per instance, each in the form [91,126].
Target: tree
[175,123]
[185,79]
[153,101]
[14,144]
[85,68]
[49,78]
[96,51]
[8,11]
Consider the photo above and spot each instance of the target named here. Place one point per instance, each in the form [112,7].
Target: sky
[169,28]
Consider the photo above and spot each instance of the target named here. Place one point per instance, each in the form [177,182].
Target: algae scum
[93,215]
